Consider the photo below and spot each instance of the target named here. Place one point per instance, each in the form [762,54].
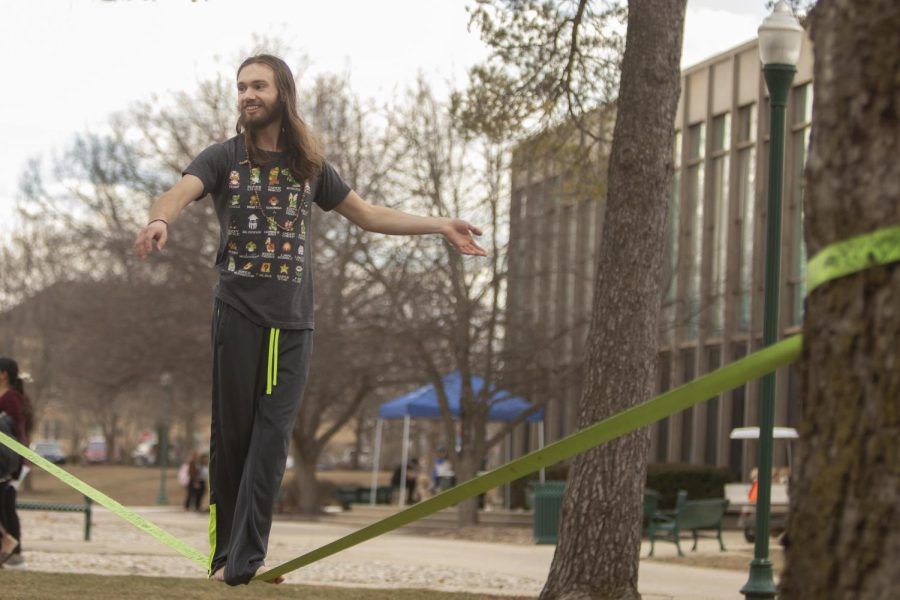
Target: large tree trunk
[305,483]
[845,490]
[600,534]
[465,469]
[110,426]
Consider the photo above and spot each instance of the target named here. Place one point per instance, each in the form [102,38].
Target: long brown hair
[303,154]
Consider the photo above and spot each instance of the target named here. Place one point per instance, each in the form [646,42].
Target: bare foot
[8,544]
[262,569]
[219,574]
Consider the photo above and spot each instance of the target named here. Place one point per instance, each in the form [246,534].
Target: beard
[263,118]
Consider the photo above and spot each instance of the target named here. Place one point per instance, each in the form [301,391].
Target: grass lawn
[139,486]
[25,584]
[731,561]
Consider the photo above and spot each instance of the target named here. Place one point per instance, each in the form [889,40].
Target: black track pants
[258,379]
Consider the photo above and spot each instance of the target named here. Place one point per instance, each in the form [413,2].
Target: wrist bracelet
[155,220]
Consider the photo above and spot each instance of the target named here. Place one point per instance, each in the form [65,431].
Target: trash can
[547,505]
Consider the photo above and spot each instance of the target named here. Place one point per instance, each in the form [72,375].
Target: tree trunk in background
[358,442]
[467,510]
[845,491]
[110,426]
[305,484]
[190,425]
[600,534]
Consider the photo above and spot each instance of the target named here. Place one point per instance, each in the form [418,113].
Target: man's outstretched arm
[381,219]
[164,211]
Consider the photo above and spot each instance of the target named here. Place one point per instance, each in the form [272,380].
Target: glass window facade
[721,140]
[694,204]
[801,113]
[746,193]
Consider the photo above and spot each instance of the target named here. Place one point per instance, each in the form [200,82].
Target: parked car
[94,451]
[50,450]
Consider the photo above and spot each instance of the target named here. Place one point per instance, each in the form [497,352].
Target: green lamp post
[780,36]
[162,446]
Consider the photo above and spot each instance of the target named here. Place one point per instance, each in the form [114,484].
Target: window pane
[800,143]
[677,149]
[696,141]
[695,201]
[720,250]
[746,203]
[746,123]
[801,99]
[721,132]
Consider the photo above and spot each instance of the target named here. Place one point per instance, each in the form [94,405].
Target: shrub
[700,481]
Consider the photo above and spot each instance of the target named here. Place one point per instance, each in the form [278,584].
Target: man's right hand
[167,207]
[143,245]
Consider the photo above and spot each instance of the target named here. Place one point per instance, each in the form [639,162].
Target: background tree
[597,555]
[846,484]
[600,534]
[444,312]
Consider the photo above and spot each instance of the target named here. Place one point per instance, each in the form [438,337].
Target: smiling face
[258,96]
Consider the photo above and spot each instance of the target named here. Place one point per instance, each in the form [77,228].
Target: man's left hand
[459,233]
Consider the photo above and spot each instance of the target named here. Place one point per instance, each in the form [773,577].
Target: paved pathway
[53,543]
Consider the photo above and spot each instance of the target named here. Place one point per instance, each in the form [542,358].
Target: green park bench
[55,507]
[651,508]
[689,515]
[346,495]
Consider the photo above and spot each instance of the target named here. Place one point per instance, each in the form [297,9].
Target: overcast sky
[67,65]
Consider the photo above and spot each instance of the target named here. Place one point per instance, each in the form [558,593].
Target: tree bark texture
[600,534]
[305,484]
[845,492]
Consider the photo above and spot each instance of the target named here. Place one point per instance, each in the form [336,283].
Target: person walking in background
[190,477]
[263,183]
[16,404]
[442,475]
[412,475]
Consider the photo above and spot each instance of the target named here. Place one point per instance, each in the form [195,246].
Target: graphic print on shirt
[263,238]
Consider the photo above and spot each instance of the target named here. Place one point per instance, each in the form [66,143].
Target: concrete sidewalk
[53,543]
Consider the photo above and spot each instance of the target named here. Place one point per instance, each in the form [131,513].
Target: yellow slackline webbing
[103,500]
[837,260]
[879,247]
[737,373]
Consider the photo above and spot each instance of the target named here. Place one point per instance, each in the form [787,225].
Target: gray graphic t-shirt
[264,256]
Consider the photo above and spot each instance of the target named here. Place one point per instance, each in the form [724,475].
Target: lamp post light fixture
[780,36]
[162,446]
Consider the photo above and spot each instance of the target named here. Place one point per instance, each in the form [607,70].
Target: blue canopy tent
[423,403]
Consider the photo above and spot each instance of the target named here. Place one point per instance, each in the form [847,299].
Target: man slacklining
[263,182]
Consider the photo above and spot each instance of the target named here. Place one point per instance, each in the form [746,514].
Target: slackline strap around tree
[880,247]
